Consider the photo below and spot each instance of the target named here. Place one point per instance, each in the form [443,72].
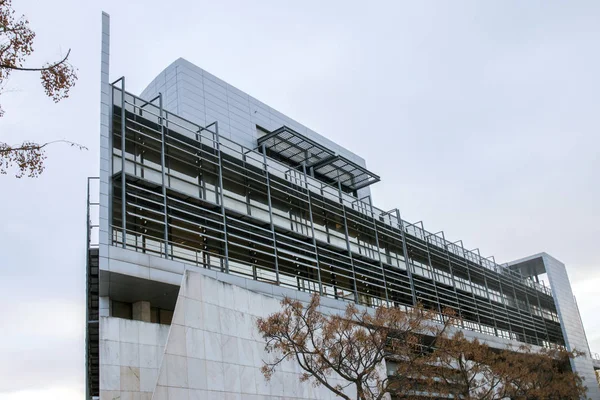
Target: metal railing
[372,279]
[209,134]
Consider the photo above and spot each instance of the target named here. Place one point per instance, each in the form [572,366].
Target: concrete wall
[214,350]
[130,356]
[213,333]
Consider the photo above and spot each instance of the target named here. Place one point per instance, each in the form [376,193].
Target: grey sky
[480,117]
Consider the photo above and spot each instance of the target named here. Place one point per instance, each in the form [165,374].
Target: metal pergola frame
[353,181]
[209,201]
[299,150]
[308,151]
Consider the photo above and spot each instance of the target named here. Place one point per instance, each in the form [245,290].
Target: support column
[312,227]
[163,148]
[266,170]
[387,300]
[433,280]
[473,296]
[451,274]
[348,240]
[217,144]
[406,257]
[504,300]
[541,310]
[123,177]
[516,300]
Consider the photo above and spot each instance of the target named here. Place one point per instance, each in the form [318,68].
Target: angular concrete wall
[214,350]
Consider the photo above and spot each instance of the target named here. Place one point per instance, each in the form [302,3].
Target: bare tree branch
[46,68]
[34,146]
[57,79]
[28,157]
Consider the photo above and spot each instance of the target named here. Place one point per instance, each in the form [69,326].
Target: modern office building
[212,206]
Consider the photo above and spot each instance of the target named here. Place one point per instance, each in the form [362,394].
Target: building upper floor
[192,194]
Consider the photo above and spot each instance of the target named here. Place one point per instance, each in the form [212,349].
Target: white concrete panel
[215,376]
[222,357]
[164,276]
[149,357]
[212,320]
[161,393]
[176,370]
[178,393]
[177,340]
[213,346]
[197,373]
[247,380]
[129,368]
[130,269]
[229,349]
[129,331]
[195,394]
[193,313]
[110,377]
[148,334]
[129,354]
[227,319]
[231,376]
[109,352]
[148,377]
[195,342]
[130,379]
[109,329]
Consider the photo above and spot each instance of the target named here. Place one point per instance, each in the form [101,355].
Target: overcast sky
[482,119]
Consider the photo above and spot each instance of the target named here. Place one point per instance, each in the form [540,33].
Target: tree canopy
[409,353]
[351,347]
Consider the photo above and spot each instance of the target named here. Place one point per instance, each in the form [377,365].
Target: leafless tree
[351,347]
[348,352]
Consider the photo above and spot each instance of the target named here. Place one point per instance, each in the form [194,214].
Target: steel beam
[387,299]
[407,260]
[163,166]
[123,177]
[433,280]
[217,145]
[269,202]
[312,228]
[348,241]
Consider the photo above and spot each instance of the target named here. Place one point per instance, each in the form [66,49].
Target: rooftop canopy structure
[298,150]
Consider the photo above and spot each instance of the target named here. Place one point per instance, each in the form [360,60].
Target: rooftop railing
[209,136]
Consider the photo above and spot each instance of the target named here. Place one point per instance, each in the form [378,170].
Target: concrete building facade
[213,206]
